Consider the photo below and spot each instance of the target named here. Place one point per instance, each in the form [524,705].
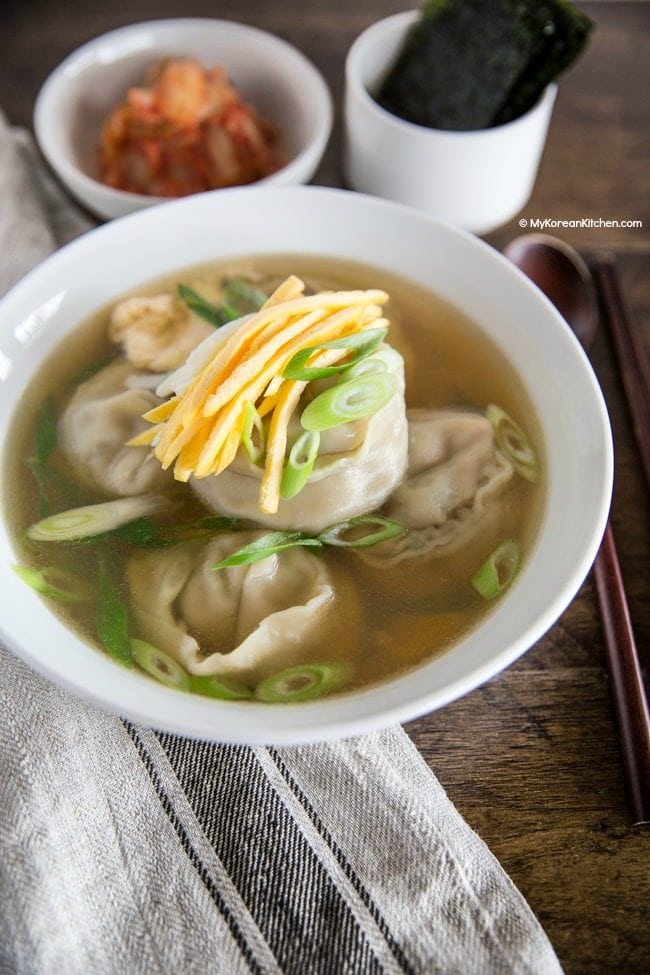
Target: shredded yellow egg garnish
[200,430]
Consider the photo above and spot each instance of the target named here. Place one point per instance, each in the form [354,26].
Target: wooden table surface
[531,759]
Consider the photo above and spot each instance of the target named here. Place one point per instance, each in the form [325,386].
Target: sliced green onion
[267,545]
[243,295]
[159,665]
[498,571]
[209,525]
[215,315]
[91,370]
[361,344]
[112,618]
[93,519]
[300,464]
[223,688]
[46,433]
[513,443]
[302,683]
[383,359]
[45,440]
[55,583]
[357,526]
[348,401]
[143,533]
[253,437]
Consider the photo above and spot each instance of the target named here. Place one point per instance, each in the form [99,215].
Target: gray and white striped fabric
[130,852]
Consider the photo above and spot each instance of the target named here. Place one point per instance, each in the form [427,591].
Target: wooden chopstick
[628,690]
[631,357]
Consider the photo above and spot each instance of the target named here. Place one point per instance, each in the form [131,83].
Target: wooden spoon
[559,271]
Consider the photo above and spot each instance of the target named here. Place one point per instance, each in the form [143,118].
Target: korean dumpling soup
[275,479]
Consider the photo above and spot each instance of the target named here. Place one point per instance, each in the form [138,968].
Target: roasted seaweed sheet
[472,64]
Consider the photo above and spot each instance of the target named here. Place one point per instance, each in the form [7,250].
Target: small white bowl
[118,257]
[268,72]
[477,180]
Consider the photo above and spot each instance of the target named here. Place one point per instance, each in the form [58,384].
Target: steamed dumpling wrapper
[101,416]
[358,466]
[202,428]
[157,332]
[453,484]
[246,620]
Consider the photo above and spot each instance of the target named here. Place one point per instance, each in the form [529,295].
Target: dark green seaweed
[472,64]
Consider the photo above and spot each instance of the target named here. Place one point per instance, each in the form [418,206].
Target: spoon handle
[625,674]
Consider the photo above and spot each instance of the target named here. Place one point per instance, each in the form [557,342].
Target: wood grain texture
[531,759]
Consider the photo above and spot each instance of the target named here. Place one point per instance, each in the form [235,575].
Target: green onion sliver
[55,583]
[243,295]
[498,571]
[361,344]
[253,437]
[361,530]
[45,441]
[349,401]
[384,359]
[215,315]
[302,683]
[513,443]
[265,546]
[93,519]
[300,464]
[112,617]
[207,526]
[223,688]
[159,665]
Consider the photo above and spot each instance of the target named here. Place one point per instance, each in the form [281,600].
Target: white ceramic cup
[477,179]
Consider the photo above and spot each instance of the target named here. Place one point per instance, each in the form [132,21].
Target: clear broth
[410,612]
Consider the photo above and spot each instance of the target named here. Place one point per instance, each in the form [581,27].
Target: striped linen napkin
[126,851]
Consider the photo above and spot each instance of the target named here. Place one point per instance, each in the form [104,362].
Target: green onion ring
[498,571]
[302,683]
[159,665]
[382,360]
[94,519]
[513,443]
[386,529]
[300,464]
[253,425]
[361,344]
[348,401]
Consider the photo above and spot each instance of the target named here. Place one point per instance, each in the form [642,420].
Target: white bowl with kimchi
[161,110]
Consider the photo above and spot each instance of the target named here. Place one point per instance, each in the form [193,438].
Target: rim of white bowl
[69,171]
[400,699]
[399,23]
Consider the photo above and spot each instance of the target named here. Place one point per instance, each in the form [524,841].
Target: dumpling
[157,332]
[248,620]
[358,466]
[95,426]
[455,473]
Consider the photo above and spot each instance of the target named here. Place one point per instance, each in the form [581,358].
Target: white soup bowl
[66,289]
